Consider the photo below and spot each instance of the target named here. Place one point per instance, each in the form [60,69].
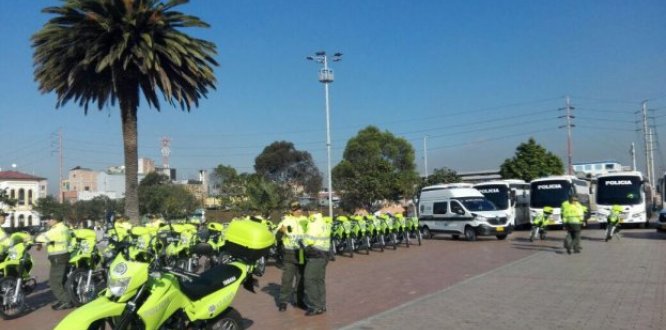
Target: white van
[459,209]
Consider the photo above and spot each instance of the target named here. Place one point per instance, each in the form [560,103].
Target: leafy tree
[103,51]
[154,179]
[289,168]
[441,175]
[158,195]
[263,196]
[50,206]
[6,201]
[230,184]
[376,166]
[531,161]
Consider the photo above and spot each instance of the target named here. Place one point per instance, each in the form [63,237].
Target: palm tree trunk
[128,97]
[130,146]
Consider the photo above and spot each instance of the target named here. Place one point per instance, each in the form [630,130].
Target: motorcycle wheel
[9,310]
[228,320]
[367,245]
[76,286]
[394,241]
[350,246]
[542,235]
[419,236]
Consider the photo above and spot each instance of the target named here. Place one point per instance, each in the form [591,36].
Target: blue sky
[477,77]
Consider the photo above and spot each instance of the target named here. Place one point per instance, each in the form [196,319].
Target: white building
[26,190]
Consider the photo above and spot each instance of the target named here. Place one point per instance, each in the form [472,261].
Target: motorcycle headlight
[12,255]
[118,286]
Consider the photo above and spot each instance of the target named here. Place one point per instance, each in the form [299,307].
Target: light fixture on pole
[326,77]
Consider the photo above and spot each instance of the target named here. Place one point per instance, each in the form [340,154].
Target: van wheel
[502,237]
[470,234]
[426,232]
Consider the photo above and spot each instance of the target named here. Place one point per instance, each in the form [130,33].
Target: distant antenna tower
[166,142]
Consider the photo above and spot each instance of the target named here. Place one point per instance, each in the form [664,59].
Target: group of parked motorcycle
[148,277]
[359,233]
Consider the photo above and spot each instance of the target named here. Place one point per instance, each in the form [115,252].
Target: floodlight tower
[326,77]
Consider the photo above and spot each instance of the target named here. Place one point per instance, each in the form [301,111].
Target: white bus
[626,189]
[511,196]
[553,191]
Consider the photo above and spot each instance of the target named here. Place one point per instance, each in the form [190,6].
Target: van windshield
[473,204]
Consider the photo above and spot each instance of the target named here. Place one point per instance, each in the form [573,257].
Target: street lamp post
[326,77]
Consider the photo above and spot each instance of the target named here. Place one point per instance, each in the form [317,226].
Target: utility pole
[425,155]
[647,142]
[632,151]
[326,77]
[569,126]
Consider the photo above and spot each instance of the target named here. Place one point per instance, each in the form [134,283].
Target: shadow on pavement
[535,247]
[644,235]
[273,289]
[247,323]
[41,297]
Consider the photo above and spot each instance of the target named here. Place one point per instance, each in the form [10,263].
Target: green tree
[376,166]
[441,175]
[263,196]
[289,168]
[50,206]
[103,51]
[531,161]
[230,184]
[158,195]
[6,201]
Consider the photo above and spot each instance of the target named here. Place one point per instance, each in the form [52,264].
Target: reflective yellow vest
[290,238]
[57,239]
[573,213]
[318,234]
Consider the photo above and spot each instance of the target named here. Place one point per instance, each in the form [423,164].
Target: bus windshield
[621,190]
[498,194]
[549,193]
[477,204]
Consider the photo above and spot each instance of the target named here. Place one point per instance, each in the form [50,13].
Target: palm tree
[97,51]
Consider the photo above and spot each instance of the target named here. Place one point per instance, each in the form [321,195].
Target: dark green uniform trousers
[292,272]
[573,237]
[57,274]
[315,282]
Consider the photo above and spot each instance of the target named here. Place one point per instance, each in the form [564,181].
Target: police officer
[154,221]
[317,242]
[57,240]
[540,221]
[573,214]
[613,222]
[290,231]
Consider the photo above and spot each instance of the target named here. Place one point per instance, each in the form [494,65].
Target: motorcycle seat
[210,281]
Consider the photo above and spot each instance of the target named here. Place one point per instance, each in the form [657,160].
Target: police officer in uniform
[573,214]
[290,231]
[318,243]
[57,240]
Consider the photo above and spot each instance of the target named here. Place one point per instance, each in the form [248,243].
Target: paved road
[446,283]
[614,285]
